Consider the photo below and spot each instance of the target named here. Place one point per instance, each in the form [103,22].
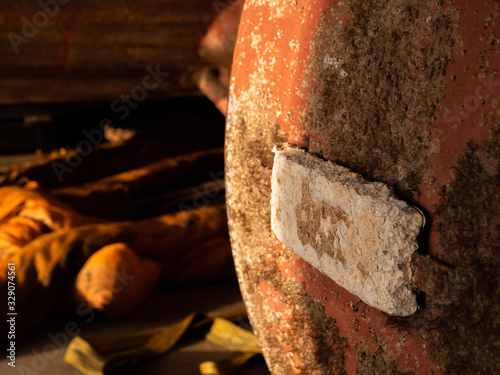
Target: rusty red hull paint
[358,322]
[274,42]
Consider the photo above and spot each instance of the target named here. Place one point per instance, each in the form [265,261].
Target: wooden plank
[97,50]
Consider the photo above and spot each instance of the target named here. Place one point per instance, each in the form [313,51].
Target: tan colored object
[19,230]
[354,231]
[44,265]
[26,213]
[38,206]
[116,281]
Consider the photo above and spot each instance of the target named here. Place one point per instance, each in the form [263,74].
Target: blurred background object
[69,51]
[112,177]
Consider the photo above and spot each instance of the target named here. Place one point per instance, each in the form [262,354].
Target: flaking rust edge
[354,231]
[305,322]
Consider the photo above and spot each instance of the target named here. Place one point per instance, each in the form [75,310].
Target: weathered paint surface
[405,93]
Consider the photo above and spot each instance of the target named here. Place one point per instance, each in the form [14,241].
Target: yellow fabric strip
[97,356]
[232,337]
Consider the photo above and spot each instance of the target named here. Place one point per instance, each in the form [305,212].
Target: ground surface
[163,307]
